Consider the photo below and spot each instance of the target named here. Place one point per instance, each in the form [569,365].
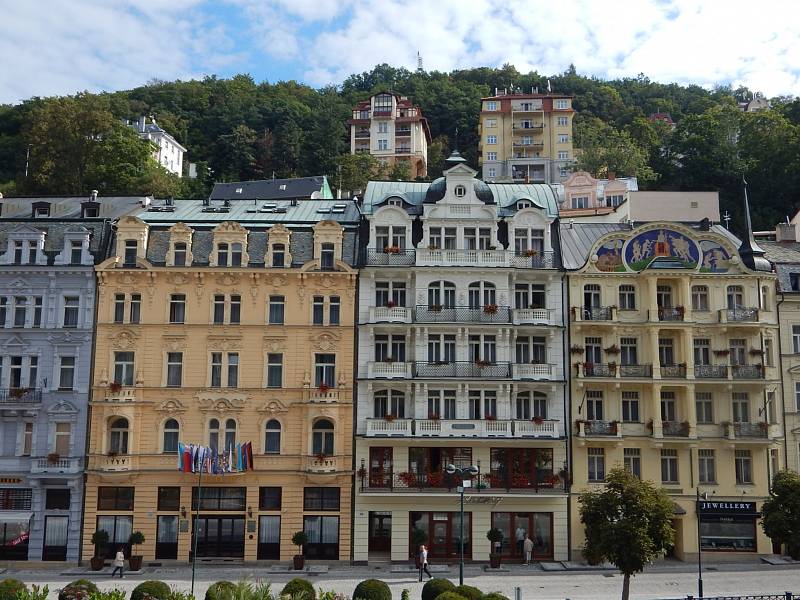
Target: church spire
[752,254]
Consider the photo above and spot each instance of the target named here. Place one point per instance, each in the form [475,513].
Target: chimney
[142,123]
[612,175]
[93,196]
[785,232]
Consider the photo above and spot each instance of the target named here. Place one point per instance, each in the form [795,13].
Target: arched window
[390,402]
[460,191]
[482,293]
[735,297]
[236,255]
[222,255]
[171,433]
[272,442]
[326,257]
[230,433]
[213,434]
[118,441]
[322,437]
[442,293]
[278,255]
[179,254]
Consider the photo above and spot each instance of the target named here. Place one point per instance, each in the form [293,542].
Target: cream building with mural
[217,324]
[674,373]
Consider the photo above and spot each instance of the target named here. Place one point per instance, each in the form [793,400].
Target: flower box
[576,349]
[392,249]
[114,387]
[490,309]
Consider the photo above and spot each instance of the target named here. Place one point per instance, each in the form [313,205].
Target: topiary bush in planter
[372,589]
[494,596]
[450,596]
[221,590]
[469,592]
[298,588]
[155,589]
[77,590]
[9,588]
[434,587]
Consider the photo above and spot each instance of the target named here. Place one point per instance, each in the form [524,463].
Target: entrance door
[380,467]
[517,526]
[269,537]
[380,532]
[167,537]
[55,538]
[220,537]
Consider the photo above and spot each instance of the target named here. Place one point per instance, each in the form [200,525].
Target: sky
[56,47]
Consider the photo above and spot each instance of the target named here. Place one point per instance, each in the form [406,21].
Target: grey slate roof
[69,207]
[786,258]
[99,235]
[269,189]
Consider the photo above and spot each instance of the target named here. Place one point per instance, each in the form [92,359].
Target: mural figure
[609,256]
[661,243]
[715,258]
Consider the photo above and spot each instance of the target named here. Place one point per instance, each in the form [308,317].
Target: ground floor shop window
[521,468]
[119,530]
[443,530]
[269,537]
[517,526]
[323,537]
[167,537]
[56,533]
[731,533]
[14,534]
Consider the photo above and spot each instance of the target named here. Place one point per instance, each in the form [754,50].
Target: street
[668,580]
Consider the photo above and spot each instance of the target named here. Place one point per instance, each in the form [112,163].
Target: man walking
[119,563]
[520,534]
[527,546]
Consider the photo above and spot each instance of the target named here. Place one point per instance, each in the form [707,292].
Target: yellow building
[526,137]
[673,350]
[220,324]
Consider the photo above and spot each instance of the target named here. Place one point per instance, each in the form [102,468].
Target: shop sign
[717,507]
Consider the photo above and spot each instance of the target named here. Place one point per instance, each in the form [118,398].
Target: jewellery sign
[707,507]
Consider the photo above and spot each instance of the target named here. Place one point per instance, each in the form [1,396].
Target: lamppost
[463,472]
[703,496]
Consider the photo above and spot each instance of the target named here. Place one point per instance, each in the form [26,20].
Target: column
[691,413]
[655,403]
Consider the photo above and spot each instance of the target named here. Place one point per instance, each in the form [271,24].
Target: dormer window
[326,258]
[394,202]
[460,191]
[236,255]
[131,251]
[41,210]
[75,252]
[18,246]
[523,204]
[282,187]
[32,252]
[179,254]
[278,255]
[222,255]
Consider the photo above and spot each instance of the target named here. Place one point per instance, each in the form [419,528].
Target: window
[460,191]
[491,172]
[528,241]
[441,294]
[477,238]
[702,351]
[169,498]
[383,127]
[764,298]
[797,396]
[322,437]
[442,238]
[233,369]
[326,258]
[219,309]
[27,439]
[491,139]
[71,304]
[230,434]
[136,306]
[741,407]
[177,308]
[236,309]
[482,348]
[179,254]
[744,467]
[594,405]
[666,352]
[334,310]
[491,156]
[222,255]
[171,433]
[704,407]
[274,370]
[669,466]
[389,402]
[118,436]
[735,297]
[707,466]
[115,498]
[738,351]
[220,498]
[614,200]
[75,252]
[216,369]
[323,536]
[531,350]
[627,297]
[325,370]
[796,339]
[321,498]
[272,440]
[562,121]
[630,406]
[236,255]
[213,434]
[563,155]
[491,105]
[579,201]
[529,295]
[768,353]
[278,255]
[481,293]
[563,138]
[441,404]
[119,308]
[383,144]
[441,348]
[63,436]
[632,461]
[668,406]
[131,250]
[387,292]
[174,369]
[276,310]
[597,464]
[527,408]
[628,351]
[66,372]
[57,499]
[123,368]
[269,498]
[3,310]
[562,104]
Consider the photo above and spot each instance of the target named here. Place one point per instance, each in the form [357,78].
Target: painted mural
[715,258]
[609,256]
[647,246]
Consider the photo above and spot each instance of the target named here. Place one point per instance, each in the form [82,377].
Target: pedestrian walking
[423,562]
[527,546]
[119,563]
[520,534]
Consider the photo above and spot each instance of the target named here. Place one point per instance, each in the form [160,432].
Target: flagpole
[197,523]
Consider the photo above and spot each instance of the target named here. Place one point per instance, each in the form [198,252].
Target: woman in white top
[119,562]
[423,562]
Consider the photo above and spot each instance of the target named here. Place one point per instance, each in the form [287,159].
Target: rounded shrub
[220,590]
[372,589]
[450,596]
[298,588]
[77,590]
[434,587]
[494,596]
[469,592]
[155,589]
[9,588]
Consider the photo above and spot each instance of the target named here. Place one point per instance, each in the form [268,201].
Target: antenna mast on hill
[419,63]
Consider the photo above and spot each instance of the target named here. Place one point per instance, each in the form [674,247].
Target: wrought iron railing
[599,369]
[636,370]
[400,258]
[462,369]
[753,430]
[711,371]
[596,313]
[670,313]
[491,313]
[673,371]
[533,260]
[740,314]
[380,479]
[601,428]
[675,428]
[747,371]
[20,396]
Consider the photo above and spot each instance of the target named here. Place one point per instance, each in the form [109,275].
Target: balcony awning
[15,516]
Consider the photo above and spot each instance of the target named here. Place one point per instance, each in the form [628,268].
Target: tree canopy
[781,512]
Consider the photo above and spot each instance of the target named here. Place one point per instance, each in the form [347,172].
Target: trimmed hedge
[220,590]
[299,588]
[77,590]
[434,587]
[372,589]
[494,596]
[9,588]
[154,589]
[469,592]
[450,596]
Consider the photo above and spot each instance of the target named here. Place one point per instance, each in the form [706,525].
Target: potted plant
[392,249]
[612,349]
[433,416]
[53,457]
[320,456]
[482,363]
[114,387]
[553,480]
[518,480]
[135,561]
[495,536]
[612,368]
[389,418]
[587,368]
[490,309]
[19,392]
[649,425]
[391,304]
[99,539]
[756,352]
[435,307]
[433,247]
[492,247]
[723,352]
[614,425]
[435,478]
[408,478]
[495,480]
[538,420]
[491,417]
[299,539]
[576,349]
[531,253]
[323,387]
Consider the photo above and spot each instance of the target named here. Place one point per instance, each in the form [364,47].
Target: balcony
[522,127]
[326,464]
[381,258]
[362,134]
[599,369]
[402,150]
[670,313]
[323,394]
[114,394]
[641,371]
[673,371]
[599,428]
[462,369]
[532,371]
[491,313]
[593,313]
[389,370]
[675,429]
[380,480]
[436,257]
[464,428]
[711,371]
[402,132]
[759,430]
[20,396]
[389,314]
[111,462]
[532,316]
[389,428]
[747,371]
[380,111]
[538,145]
[64,465]
[738,315]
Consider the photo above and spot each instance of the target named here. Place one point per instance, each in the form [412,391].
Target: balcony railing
[645,371]
[462,314]
[402,150]
[381,258]
[747,371]
[599,369]
[124,394]
[435,257]
[533,260]
[389,370]
[751,430]
[325,464]
[670,313]
[111,462]
[402,132]
[389,428]
[362,134]
[673,371]
[532,371]
[610,428]
[593,313]
[675,429]
[20,396]
[733,315]
[528,126]
[464,428]
[711,371]
[462,369]
[323,394]
[389,314]
[529,144]
[522,316]
[390,480]
[59,465]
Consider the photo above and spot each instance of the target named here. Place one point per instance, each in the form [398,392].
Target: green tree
[628,523]
[400,171]
[236,155]
[604,149]
[781,512]
[357,170]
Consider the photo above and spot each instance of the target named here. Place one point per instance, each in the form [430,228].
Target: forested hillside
[239,129]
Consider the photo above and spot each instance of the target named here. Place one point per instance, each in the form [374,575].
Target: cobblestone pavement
[675,580]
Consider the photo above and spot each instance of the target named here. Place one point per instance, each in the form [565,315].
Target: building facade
[224,323]
[167,152]
[48,248]
[674,362]
[391,128]
[526,137]
[460,354]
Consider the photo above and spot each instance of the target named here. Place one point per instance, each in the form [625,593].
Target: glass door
[55,538]
[167,537]
[269,537]
[380,532]
[380,467]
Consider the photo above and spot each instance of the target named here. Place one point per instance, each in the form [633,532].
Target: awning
[15,516]
[677,509]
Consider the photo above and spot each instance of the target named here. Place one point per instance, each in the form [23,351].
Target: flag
[180,456]
[230,458]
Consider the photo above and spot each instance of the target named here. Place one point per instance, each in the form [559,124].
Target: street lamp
[703,496]
[463,472]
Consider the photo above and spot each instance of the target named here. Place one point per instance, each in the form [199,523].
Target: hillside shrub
[434,587]
[9,588]
[299,588]
[221,590]
[372,589]
[154,589]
